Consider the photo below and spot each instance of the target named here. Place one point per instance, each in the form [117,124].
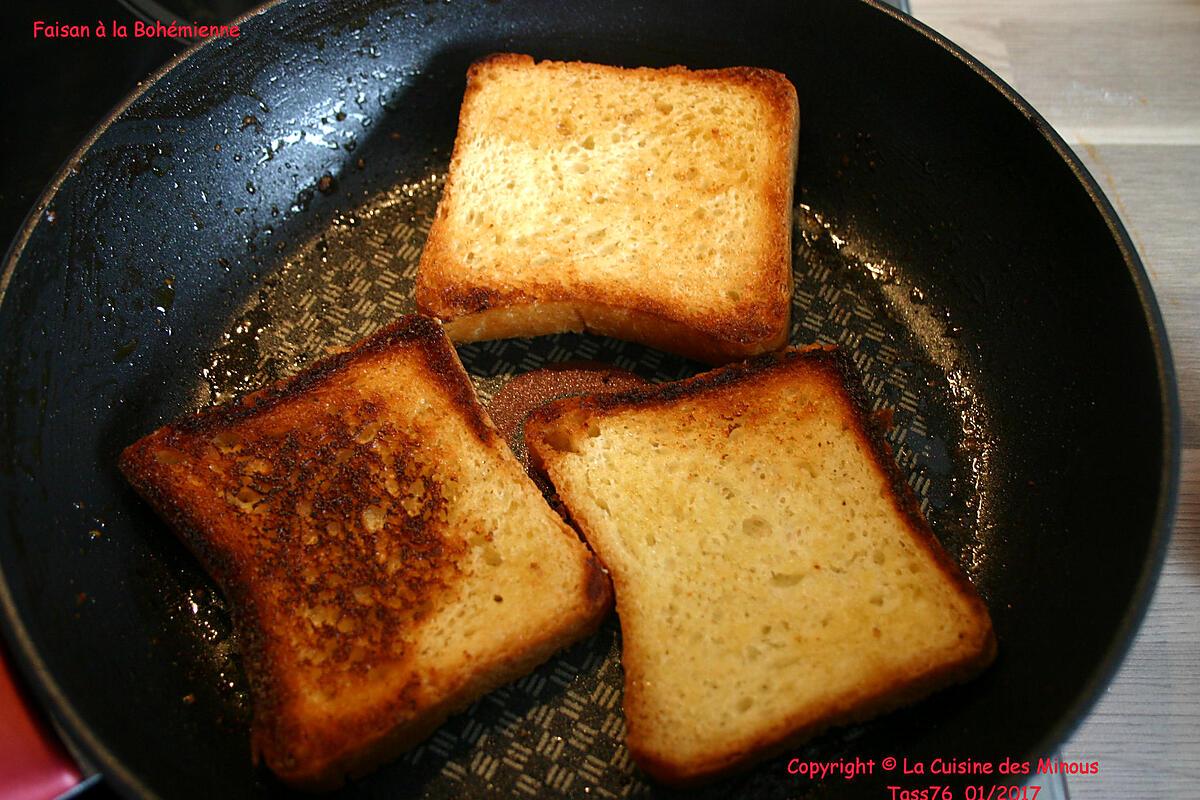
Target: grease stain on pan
[341,284]
[354,272]
[198,620]
[900,337]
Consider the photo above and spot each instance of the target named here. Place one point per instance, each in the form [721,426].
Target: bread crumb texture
[766,579]
[362,521]
[666,190]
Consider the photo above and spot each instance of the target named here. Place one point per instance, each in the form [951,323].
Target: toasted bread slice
[645,204]
[386,558]
[772,571]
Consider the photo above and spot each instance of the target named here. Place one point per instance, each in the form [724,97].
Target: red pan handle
[33,763]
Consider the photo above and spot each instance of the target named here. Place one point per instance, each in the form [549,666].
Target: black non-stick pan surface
[266,198]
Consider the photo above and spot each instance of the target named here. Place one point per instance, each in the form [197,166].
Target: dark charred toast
[773,573]
[386,558]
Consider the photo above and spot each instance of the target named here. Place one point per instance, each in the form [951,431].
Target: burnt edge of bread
[760,326]
[787,735]
[420,330]
[228,568]
[666,393]
[136,462]
[827,357]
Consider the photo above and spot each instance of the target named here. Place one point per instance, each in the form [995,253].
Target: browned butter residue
[511,406]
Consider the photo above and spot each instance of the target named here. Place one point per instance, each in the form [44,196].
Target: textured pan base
[561,729]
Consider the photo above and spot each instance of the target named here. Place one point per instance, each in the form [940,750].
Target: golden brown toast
[646,204]
[387,559]
[773,573]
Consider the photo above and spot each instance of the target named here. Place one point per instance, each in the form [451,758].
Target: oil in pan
[561,727]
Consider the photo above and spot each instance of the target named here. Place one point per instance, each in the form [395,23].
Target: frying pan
[264,198]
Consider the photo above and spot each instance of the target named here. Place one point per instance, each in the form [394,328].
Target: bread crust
[557,422]
[476,310]
[304,750]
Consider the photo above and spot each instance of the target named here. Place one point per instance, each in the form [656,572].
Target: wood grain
[1145,731]
[1120,81]
[1156,191]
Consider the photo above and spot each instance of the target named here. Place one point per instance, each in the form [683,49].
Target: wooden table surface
[1120,81]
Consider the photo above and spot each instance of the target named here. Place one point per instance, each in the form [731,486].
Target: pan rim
[94,755]
[81,742]
[1172,439]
